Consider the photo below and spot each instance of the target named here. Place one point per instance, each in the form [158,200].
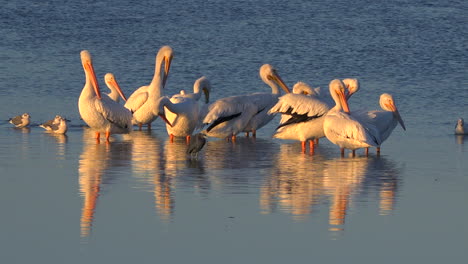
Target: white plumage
[101,114]
[116,93]
[302,115]
[384,120]
[50,123]
[143,100]
[344,130]
[231,115]
[184,112]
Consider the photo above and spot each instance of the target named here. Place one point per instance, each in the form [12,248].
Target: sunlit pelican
[112,84]
[302,116]
[461,128]
[228,116]
[20,121]
[384,120]
[142,101]
[101,114]
[351,85]
[341,128]
[190,114]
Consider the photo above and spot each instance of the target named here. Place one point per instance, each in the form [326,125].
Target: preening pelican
[112,84]
[265,101]
[302,116]
[228,116]
[143,100]
[188,113]
[461,128]
[101,113]
[351,85]
[20,121]
[341,128]
[384,120]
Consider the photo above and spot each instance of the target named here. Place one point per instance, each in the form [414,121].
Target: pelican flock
[306,114]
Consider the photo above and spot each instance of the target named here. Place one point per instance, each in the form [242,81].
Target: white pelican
[20,121]
[187,114]
[112,84]
[461,128]
[384,120]
[341,128]
[228,116]
[265,101]
[302,116]
[143,100]
[351,85]
[48,124]
[101,113]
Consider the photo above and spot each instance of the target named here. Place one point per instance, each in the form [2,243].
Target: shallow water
[67,199]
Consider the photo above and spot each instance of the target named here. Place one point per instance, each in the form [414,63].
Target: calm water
[66,199]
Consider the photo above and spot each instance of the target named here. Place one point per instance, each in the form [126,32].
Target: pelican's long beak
[281,83]
[343,101]
[396,114]
[207,95]
[163,117]
[89,67]
[167,67]
[117,86]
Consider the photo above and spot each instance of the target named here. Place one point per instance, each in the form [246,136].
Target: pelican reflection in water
[98,165]
[304,182]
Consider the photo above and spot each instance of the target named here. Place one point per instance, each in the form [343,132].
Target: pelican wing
[114,112]
[137,99]
[348,128]
[228,108]
[299,104]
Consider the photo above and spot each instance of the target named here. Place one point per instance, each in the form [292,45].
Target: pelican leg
[139,126]
[367,152]
[316,141]
[303,146]
[149,126]
[342,152]
[107,136]
[187,139]
[254,133]
[233,138]
[247,134]
[311,146]
[171,138]
[354,153]
[98,137]
[378,150]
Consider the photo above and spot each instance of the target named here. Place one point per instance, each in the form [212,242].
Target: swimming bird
[21,120]
[229,116]
[344,130]
[384,120]
[302,115]
[461,128]
[48,124]
[186,113]
[196,145]
[142,101]
[101,113]
[116,93]
[60,127]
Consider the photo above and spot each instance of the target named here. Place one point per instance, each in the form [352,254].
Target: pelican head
[269,75]
[338,92]
[160,108]
[303,88]
[352,85]
[89,71]
[112,83]
[388,104]
[203,84]
[165,54]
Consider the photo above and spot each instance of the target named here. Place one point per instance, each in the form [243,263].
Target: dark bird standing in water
[196,144]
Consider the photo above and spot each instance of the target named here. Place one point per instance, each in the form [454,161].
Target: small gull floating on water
[21,120]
